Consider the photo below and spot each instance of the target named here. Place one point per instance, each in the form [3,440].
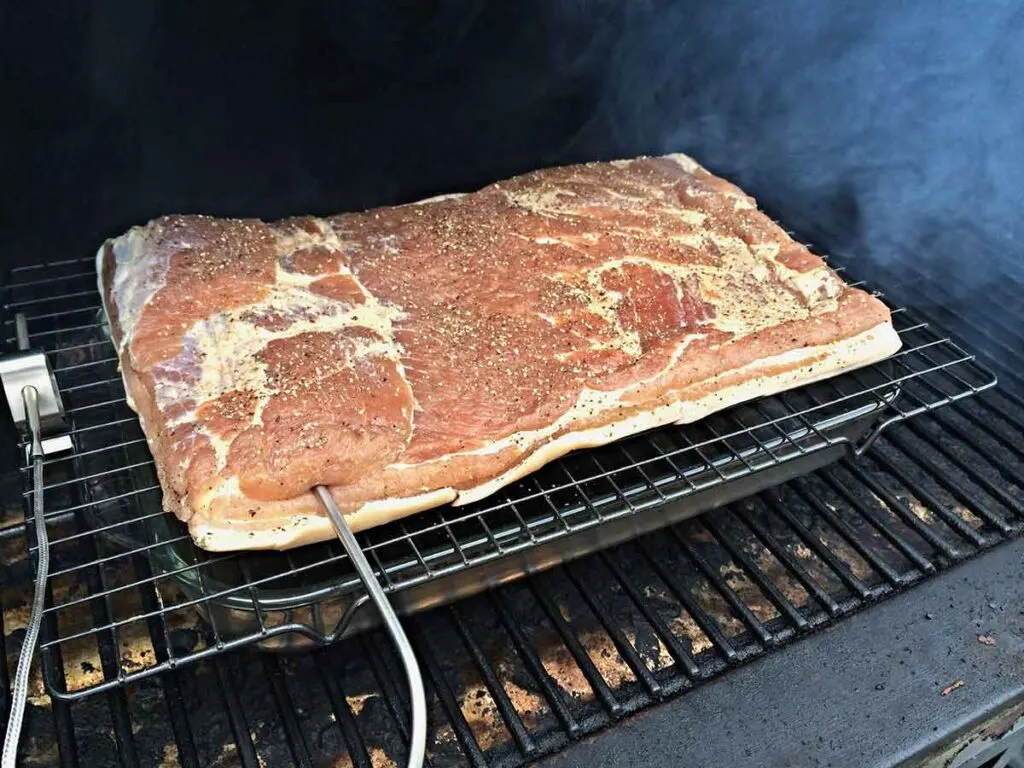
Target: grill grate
[124,570]
[521,671]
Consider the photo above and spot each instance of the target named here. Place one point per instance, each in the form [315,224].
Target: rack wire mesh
[123,569]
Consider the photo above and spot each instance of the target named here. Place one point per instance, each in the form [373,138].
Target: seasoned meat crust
[412,356]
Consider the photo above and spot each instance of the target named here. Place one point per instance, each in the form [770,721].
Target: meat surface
[423,354]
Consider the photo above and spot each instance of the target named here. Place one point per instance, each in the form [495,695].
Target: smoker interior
[889,132]
[129,569]
[526,668]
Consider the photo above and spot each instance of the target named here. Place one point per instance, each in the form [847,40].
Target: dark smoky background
[890,134]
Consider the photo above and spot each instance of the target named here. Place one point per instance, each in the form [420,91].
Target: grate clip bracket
[31,368]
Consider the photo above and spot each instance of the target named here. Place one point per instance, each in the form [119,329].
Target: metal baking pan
[583,502]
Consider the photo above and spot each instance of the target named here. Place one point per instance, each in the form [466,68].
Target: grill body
[528,667]
[130,565]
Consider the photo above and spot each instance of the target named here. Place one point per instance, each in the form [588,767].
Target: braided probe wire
[19,691]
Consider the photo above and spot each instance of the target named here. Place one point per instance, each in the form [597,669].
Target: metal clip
[31,368]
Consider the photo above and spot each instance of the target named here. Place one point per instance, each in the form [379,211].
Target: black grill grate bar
[815,545]
[994,491]
[53,668]
[531,660]
[618,638]
[183,739]
[899,509]
[943,299]
[343,715]
[935,505]
[1010,357]
[996,345]
[758,576]
[998,460]
[123,738]
[159,636]
[1016,402]
[1012,445]
[109,645]
[579,654]
[793,566]
[970,501]
[712,575]
[383,672]
[447,697]
[849,536]
[869,513]
[286,710]
[236,715]
[390,695]
[706,624]
[497,692]
[679,654]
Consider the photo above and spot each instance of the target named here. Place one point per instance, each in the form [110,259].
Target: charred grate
[526,668]
[122,568]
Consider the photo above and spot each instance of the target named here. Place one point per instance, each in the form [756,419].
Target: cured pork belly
[431,353]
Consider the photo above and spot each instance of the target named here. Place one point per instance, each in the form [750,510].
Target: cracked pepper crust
[413,356]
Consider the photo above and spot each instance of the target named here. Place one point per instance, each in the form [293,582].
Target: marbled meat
[430,353]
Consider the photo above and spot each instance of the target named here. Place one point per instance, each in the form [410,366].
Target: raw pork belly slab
[413,356]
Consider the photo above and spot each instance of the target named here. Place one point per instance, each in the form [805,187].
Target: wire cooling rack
[124,570]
